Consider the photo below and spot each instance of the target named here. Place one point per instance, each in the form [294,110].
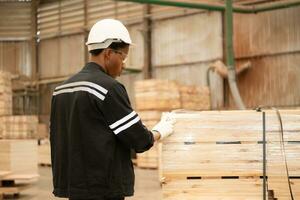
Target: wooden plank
[21,177]
[9,191]
[4,173]
[217,148]
[221,189]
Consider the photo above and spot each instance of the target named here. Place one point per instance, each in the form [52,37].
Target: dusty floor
[147,186]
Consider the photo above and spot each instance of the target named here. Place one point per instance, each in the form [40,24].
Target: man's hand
[165,126]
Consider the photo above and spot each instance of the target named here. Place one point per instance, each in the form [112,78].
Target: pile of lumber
[155,94]
[194,97]
[18,127]
[18,166]
[5,94]
[166,95]
[219,155]
[19,156]
[42,131]
[153,97]
[149,159]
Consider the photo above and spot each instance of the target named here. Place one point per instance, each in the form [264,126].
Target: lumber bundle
[194,97]
[42,131]
[153,96]
[157,95]
[18,156]
[166,95]
[5,94]
[149,159]
[218,155]
[18,127]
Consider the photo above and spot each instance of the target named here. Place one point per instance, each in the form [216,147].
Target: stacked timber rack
[218,155]
[18,159]
[19,126]
[13,126]
[154,96]
[18,147]
[5,94]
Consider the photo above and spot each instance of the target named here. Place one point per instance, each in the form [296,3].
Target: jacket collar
[92,66]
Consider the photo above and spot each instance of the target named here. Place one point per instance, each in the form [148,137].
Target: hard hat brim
[104,44]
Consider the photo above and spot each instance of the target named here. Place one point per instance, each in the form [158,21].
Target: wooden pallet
[227,189]
[214,153]
[11,185]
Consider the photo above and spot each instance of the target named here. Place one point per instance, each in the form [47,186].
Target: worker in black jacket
[93,126]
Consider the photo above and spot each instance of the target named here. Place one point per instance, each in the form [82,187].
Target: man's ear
[107,53]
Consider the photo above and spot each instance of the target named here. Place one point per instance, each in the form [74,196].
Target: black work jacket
[92,130]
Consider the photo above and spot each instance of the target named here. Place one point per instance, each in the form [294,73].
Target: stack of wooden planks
[194,97]
[5,94]
[218,155]
[42,131]
[153,96]
[149,159]
[19,156]
[19,126]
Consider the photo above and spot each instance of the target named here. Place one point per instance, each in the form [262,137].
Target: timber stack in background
[18,144]
[154,96]
[219,155]
[5,94]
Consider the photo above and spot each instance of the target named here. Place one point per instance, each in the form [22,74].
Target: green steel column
[229,35]
[230,55]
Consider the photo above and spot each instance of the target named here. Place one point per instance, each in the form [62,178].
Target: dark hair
[96,52]
[118,45]
[114,45]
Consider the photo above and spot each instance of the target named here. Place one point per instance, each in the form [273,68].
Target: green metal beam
[264,8]
[180,4]
[252,9]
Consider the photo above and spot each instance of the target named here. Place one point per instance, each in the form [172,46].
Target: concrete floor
[147,186]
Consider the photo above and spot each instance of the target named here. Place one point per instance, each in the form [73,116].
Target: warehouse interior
[229,69]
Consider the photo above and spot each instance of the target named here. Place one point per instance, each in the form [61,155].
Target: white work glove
[165,125]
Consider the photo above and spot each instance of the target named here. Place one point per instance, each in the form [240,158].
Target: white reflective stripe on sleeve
[86,83]
[76,89]
[125,126]
[124,119]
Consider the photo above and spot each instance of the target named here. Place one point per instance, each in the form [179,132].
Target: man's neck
[98,61]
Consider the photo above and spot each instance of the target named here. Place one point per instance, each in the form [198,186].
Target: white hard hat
[105,32]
